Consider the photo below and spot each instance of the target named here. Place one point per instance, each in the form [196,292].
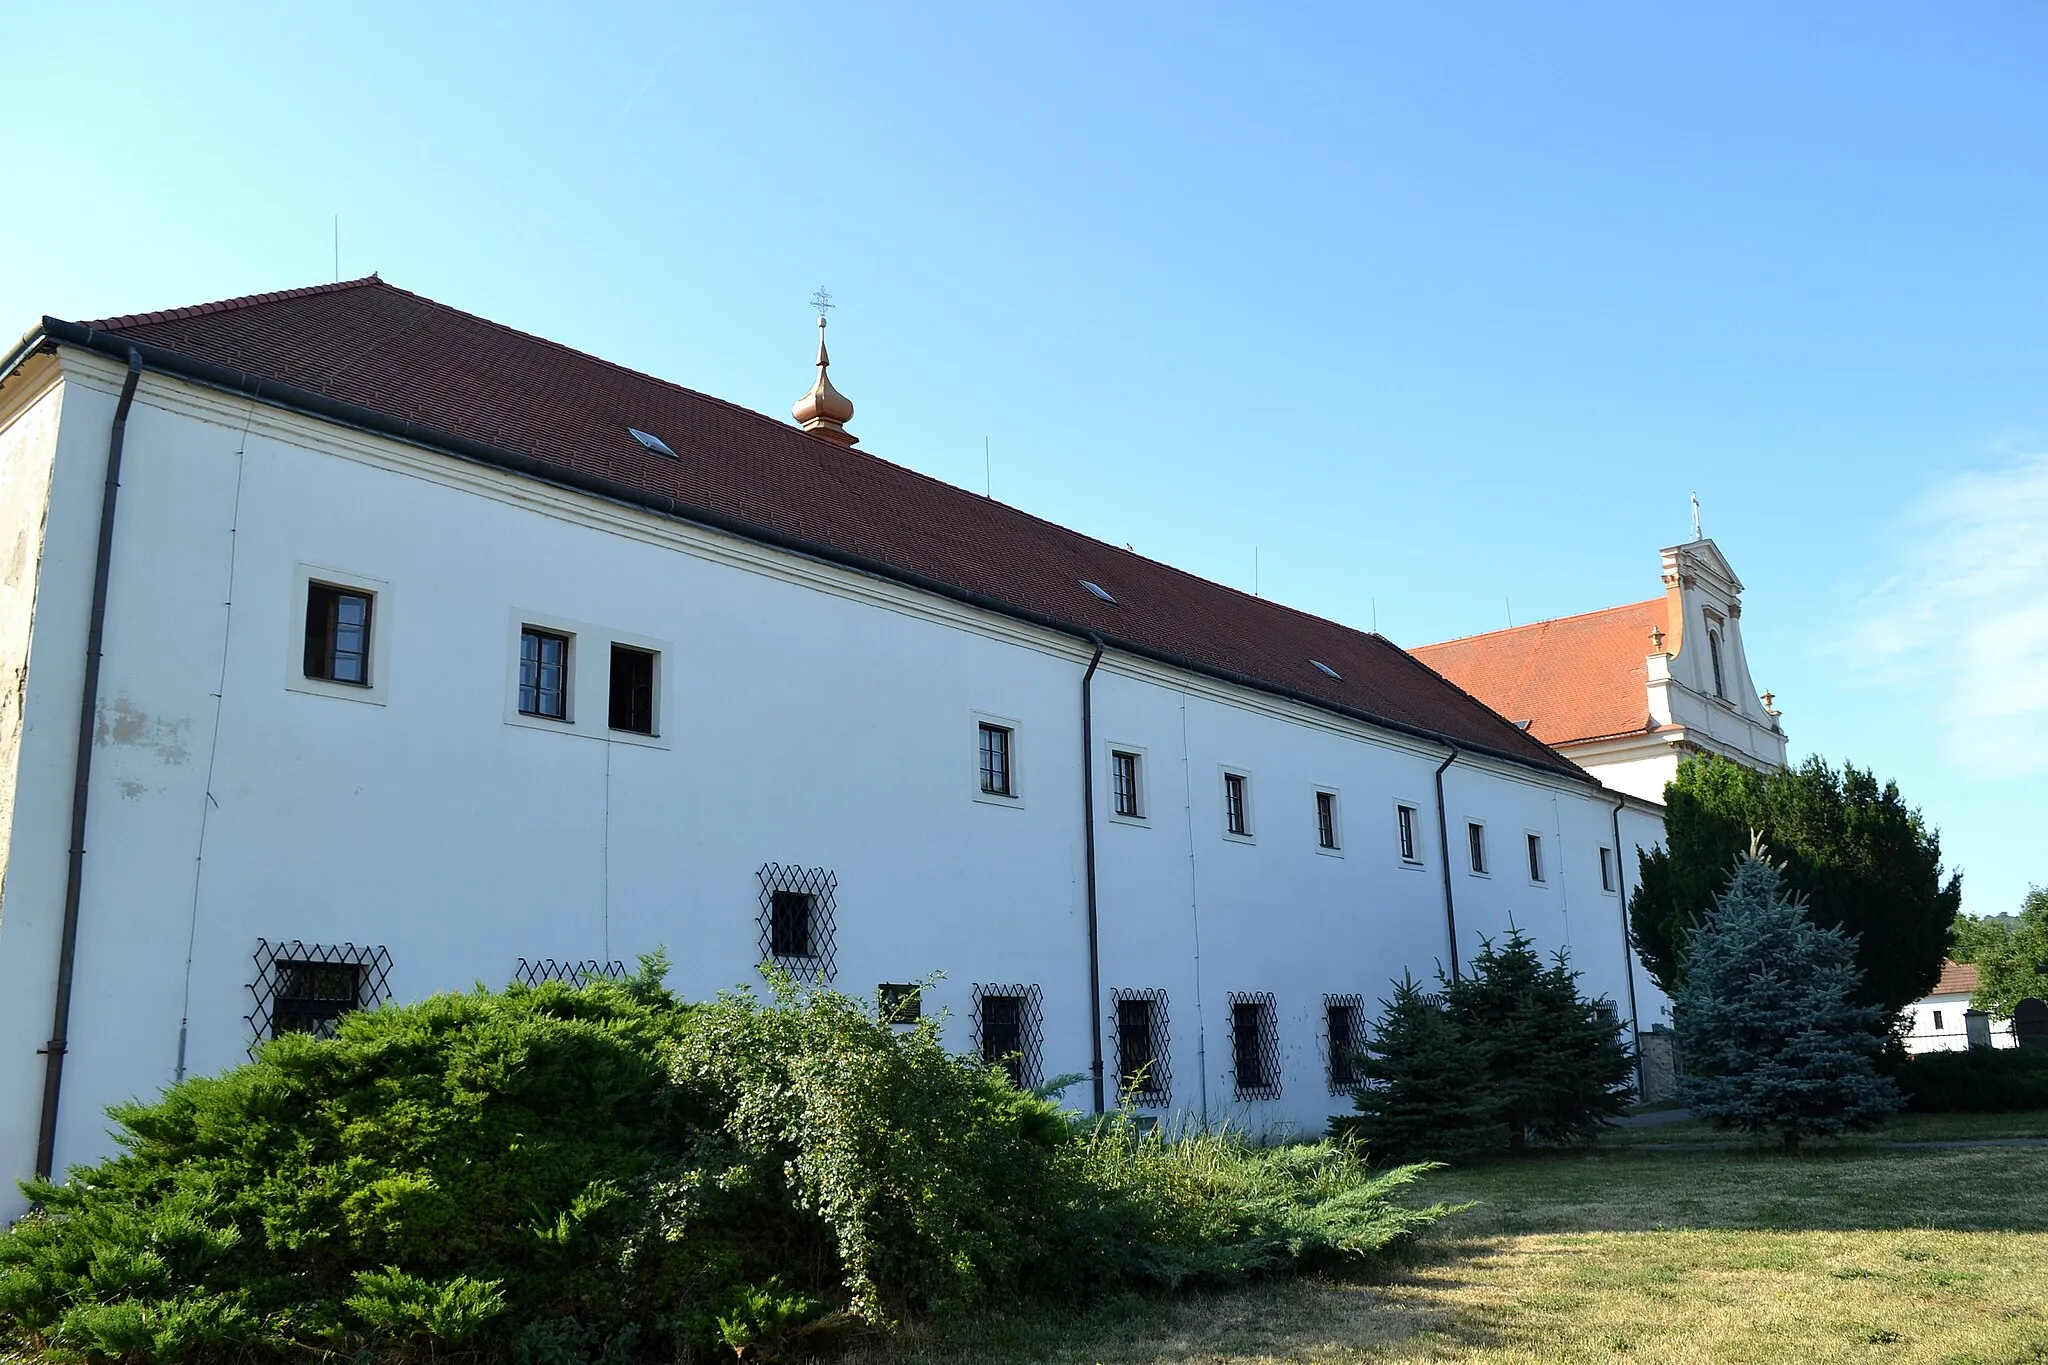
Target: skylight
[653,443]
[1327,669]
[1099,591]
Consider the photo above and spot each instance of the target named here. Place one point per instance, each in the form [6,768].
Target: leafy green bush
[559,1176]
[1981,1081]
[1425,1091]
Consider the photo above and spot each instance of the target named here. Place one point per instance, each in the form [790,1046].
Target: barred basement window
[1143,1068]
[1009,1031]
[797,921]
[1404,823]
[543,674]
[900,1004]
[307,987]
[632,690]
[1123,776]
[1344,1033]
[1255,1045]
[337,634]
[533,971]
[996,774]
[1475,840]
[1606,1013]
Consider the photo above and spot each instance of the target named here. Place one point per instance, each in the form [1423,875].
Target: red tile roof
[1957,978]
[370,344]
[1575,678]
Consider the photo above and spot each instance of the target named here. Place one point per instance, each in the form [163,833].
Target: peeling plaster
[120,723]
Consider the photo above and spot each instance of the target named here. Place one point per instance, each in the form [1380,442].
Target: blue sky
[1440,311]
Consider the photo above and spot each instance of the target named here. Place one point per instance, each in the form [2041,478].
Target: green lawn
[1855,1254]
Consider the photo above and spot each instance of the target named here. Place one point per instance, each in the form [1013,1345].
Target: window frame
[1028,1055]
[1538,866]
[983,721]
[1715,664]
[1112,751]
[1349,1078]
[542,635]
[1408,832]
[1484,866]
[1158,1092]
[1610,871]
[1262,1012]
[305,577]
[653,657]
[1246,831]
[1331,798]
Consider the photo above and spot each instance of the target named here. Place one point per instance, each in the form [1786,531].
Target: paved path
[1655,1119]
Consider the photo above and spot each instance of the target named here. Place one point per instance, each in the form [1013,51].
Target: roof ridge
[1536,625]
[198,310]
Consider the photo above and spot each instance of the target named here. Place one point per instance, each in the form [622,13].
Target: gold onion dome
[825,411]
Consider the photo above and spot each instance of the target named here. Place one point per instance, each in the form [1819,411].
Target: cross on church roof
[822,300]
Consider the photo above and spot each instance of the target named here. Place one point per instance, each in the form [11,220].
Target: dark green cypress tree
[1424,1093]
[1773,1036]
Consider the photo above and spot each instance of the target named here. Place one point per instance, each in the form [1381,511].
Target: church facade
[358,648]
[1629,692]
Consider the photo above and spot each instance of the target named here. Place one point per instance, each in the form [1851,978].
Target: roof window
[653,443]
[1325,668]
[1099,591]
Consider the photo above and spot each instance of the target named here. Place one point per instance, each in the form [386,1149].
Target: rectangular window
[1937,1021]
[311,996]
[789,923]
[337,634]
[996,768]
[1244,1046]
[1605,1012]
[1341,1020]
[543,674]
[1404,819]
[1326,819]
[1123,781]
[1002,1034]
[1236,818]
[632,690]
[1140,1047]
[1475,840]
[1714,652]
[1535,857]
[900,1004]
[1606,869]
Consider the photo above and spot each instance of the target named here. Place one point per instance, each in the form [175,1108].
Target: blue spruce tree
[1773,1039]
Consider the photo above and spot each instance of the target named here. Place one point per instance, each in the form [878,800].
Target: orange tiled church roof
[1575,678]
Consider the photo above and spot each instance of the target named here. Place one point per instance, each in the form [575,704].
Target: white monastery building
[357,648]
[1943,1020]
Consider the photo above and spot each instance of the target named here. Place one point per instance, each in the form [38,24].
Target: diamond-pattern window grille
[1009,1030]
[1254,1045]
[1144,1062]
[533,971]
[1343,1041]
[307,987]
[798,927]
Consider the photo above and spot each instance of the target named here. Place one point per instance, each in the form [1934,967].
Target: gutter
[293,398]
[88,707]
[1443,835]
[1088,840]
[1628,948]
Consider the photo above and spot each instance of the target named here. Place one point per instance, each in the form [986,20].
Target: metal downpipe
[88,708]
[1443,837]
[1088,843]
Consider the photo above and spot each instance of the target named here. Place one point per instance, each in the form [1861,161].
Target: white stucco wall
[809,716]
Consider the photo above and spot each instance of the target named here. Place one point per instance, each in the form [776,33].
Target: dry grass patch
[1858,1255]
[2029,1123]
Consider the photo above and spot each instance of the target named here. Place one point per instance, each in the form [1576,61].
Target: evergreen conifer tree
[1424,1093]
[1773,1038]
[1554,1067]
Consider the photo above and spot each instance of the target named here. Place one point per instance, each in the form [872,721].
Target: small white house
[1944,1022]
[357,648]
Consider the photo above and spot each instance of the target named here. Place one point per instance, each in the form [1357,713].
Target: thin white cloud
[1965,616]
